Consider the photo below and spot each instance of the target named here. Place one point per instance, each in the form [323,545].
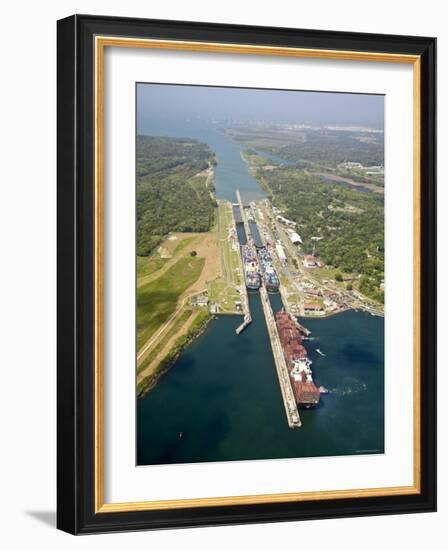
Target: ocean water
[221,399]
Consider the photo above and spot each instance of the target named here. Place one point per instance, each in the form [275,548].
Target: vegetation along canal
[221,399]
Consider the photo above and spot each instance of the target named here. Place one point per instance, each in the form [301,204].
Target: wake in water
[356,387]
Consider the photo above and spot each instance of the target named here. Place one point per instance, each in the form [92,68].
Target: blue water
[237,214]
[255,234]
[221,399]
[241,233]
[231,173]
[275,158]
[325,179]
[223,395]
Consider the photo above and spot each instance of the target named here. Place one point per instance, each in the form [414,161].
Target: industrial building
[310,262]
[312,307]
[280,253]
[200,300]
[294,237]
[286,221]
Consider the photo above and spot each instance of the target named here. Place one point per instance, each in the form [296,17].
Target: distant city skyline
[247,105]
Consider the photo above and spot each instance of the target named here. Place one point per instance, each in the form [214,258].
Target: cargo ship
[306,393]
[270,277]
[251,269]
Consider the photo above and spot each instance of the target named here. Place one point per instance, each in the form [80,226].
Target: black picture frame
[76,263]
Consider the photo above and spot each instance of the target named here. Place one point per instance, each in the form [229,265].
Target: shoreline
[334,313]
[150,381]
[270,195]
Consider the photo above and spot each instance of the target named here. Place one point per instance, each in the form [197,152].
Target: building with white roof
[294,237]
[280,253]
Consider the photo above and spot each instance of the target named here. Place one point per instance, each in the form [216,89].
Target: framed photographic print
[246,274]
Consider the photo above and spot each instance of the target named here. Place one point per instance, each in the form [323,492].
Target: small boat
[323,389]
[181,434]
[320,353]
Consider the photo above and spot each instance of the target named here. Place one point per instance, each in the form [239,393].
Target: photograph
[246,261]
[259,274]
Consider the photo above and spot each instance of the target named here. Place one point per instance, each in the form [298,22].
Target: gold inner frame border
[101,42]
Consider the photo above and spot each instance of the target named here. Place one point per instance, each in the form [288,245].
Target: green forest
[173,194]
[326,148]
[332,148]
[347,225]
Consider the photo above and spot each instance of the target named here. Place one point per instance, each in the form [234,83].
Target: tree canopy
[173,193]
[349,224]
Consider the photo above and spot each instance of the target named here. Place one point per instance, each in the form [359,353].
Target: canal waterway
[255,234]
[241,233]
[231,172]
[275,158]
[221,399]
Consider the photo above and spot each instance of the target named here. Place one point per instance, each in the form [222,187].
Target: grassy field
[148,378]
[183,243]
[329,274]
[157,300]
[168,276]
[222,290]
[149,265]
[161,343]
[215,289]
[226,296]
[230,254]
[165,321]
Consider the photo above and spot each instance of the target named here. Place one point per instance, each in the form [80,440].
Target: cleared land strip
[338,179]
[160,332]
[168,349]
[158,300]
[224,290]
[165,320]
[152,341]
[228,240]
[188,273]
[160,350]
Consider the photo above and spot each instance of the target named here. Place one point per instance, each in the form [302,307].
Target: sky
[237,105]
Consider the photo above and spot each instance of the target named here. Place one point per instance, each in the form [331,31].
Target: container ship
[270,277]
[307,394]
[250,262]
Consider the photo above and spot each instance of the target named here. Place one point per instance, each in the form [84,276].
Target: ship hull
[272,289]
[252,287]
[251,268]
[270,277]
[306,394]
